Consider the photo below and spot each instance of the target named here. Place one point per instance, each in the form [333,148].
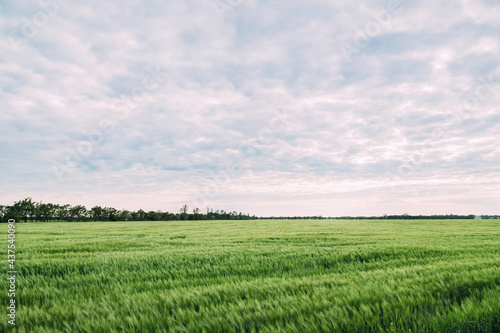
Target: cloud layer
[277,107]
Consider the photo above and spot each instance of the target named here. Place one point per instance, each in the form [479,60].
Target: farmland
[257,276]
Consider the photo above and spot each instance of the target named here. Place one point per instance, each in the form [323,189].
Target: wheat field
[257,276]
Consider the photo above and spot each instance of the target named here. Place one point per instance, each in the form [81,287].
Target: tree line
[27,210]
[384,217]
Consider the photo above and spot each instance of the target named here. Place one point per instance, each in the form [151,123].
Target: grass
[256,276]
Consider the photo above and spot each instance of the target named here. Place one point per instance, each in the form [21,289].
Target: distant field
[256,276]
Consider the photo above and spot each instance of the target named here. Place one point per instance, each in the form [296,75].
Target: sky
[277,107]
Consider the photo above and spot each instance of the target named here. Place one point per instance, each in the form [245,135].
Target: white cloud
[394,111]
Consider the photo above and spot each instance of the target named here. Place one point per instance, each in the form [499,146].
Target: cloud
[150,104]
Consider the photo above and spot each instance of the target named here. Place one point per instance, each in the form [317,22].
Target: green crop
[256,276]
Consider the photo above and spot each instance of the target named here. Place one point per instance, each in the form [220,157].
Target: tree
[12,213]
[26,209]
[166,216]
[45,212]
[62,212]
[140,215]
[153,216]
[97,213]
[110,214]
[196,214]
[184,212]
[78,213]
[3,212]
[124,215]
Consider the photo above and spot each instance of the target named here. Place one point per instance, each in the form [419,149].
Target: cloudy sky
[278,107]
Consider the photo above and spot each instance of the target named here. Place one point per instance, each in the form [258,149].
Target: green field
[256,276]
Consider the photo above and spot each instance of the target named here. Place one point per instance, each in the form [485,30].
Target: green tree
[184,212]
[45,212]
[124,215]
[110,214]
[97,213]
[196,214]
[3,212]
[78,213]
[140,215]
[153,216]
[62,212]
[25,208]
